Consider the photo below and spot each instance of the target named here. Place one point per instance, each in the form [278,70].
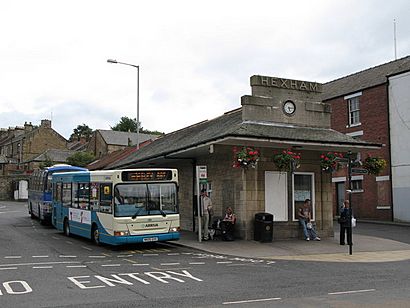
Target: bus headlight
[175,229]
[121,233]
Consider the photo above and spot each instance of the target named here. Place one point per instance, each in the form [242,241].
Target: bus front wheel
[66,228]
[95,235]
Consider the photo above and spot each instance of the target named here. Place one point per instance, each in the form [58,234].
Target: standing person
[206,209]
[345,226]
[305,217]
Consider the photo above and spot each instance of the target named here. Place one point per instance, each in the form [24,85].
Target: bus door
[57,205]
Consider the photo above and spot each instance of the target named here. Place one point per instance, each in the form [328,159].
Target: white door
[23,190]
[276,195]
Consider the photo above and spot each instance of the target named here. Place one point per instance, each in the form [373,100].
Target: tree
[80,159]
[127,124]
[82,131]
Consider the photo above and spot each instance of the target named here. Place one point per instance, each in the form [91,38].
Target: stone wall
[6,185]
[40,140]
[244,191]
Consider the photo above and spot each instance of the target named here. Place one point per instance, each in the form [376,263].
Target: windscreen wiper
[162,212]
[136,213]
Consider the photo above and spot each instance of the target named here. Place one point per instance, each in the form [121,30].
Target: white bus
[117,206]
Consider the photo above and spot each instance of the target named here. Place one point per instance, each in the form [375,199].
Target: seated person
[227,225]
[305,217]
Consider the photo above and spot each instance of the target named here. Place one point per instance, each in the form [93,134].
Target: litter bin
[263,228]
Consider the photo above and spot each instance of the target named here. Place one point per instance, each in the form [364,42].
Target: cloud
[195,58]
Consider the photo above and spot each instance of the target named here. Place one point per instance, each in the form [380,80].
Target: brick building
[104,142]
[280,114]
[362,108]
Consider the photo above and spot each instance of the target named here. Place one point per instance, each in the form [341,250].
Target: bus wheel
[31,212]
[66,228]
[41,219]
[95,235]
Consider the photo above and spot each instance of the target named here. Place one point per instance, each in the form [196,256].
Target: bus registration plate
[150,239]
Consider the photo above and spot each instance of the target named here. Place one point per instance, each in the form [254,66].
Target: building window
[353,106]
[354,111]
[303,188]
[357,185]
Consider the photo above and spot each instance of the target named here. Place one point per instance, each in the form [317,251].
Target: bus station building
[280,114]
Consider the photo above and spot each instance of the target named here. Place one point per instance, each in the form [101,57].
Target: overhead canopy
[230,129]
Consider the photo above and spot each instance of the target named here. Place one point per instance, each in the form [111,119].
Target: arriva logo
[151,225]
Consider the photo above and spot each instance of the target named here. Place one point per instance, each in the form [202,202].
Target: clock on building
[289,107]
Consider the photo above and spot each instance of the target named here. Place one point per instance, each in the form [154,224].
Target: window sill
[357,191]
[353,125]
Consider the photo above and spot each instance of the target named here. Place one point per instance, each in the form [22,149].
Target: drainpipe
[390,151]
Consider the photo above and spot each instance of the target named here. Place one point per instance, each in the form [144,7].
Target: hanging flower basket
[245,157]
[329,161]
[287,161]
[374,165]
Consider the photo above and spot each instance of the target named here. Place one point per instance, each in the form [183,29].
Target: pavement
[365,249]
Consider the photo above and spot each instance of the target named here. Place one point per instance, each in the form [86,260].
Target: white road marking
[65,256]
[224,262]
[141,264]
[68,242]
[176,263]
[110,265]
[39,256]
[42,267]
[12,257]
[96,256]
[124,256]
[10,212]
[196,263]
[54,237]
[253,301]
[351,292]
[75,266]
[149,254]
[8,268]
[38,263]
[173,254]
[87,248]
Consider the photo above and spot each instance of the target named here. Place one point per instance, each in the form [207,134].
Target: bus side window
[66,194]
[94,202]
[59,189]
[106,198]
[84,196]
[58,192]
[75,196]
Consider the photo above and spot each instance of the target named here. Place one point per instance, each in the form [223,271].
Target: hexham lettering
[285,83]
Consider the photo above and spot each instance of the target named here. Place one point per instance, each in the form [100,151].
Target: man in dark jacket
[345,223]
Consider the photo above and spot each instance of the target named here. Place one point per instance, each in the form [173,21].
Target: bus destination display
[138,176]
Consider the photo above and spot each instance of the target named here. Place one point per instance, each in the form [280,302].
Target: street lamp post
[138,96]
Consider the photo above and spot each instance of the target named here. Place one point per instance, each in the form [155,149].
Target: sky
[195,57]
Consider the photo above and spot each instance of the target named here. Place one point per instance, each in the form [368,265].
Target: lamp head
[112,61]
